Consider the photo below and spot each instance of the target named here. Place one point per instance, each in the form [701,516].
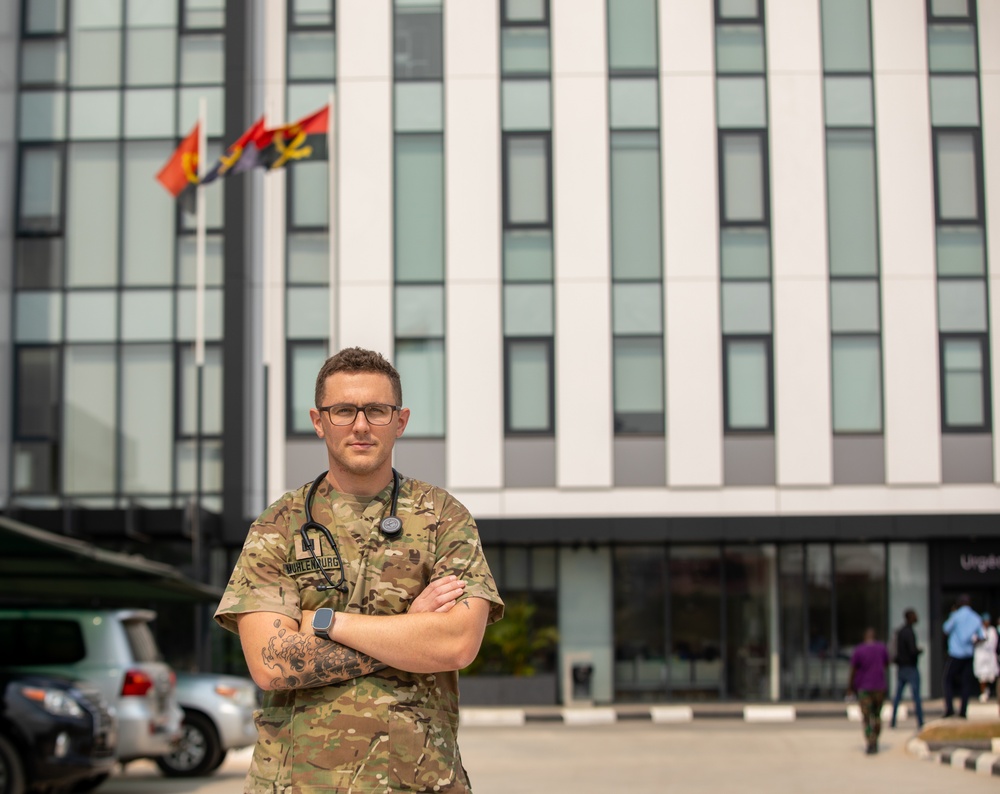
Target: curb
[982,762]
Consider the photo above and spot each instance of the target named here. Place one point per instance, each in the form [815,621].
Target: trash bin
[583,674]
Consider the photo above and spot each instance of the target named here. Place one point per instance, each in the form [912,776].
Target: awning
[43,568]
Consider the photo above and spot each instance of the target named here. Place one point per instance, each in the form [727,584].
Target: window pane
[92,316]
[526,104]
[45,16]
[638,385]
[745,253]
[308,258]
[151,56]
[739,48]
[95,57]
[88,422]
[638,309]
[747,386]
[148,209]
[94,114]
[42,116]
[307,312]
[853,229]
[963,384]
[854,306]
[41,190]
[151,13]
[187,260]
[147,391]
[38,316]
[37,392]
[524,10]
[204,13]
[147,315]
[418,49]
[954,101]
[524,51]
[950,8]
[962,304]
[202,59]
[527,255]
[742,102]
[419,208]
[635,103]
[149,113]
[528,378]
[527,310]
[951,48]
[743,178]
[312,12]
[305,361]
[421,368]
[43,62]
[311,56]
[419,310]
[848,101]
[92,213]
[635,205]
[739,9]
[309,193]
[211,419]
[527,188]
[960,251]
[857,385]
[39,262]
[419,107]
[186,304]
[746,307]
[632,34]
[846,30]
[957,177]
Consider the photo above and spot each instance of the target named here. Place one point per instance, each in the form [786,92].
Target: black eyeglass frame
[327,409]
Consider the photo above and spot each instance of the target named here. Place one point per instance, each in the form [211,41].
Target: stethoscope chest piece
[390,526]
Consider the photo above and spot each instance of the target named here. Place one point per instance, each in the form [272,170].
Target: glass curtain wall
[311,73]
[104,275]
[963,310]
[852,219]
[744,215]
[528,299]
[419,212]
[636,217]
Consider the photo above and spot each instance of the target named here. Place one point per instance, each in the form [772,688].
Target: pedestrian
[907,673]
[356,600]
[867,682]
[964,630]
[984,659]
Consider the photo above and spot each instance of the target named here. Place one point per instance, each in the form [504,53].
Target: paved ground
[820,754]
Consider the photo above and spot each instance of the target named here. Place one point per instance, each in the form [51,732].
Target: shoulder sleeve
[460,552]
[259,582]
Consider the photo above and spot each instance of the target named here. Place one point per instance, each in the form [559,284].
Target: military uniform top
[389,730]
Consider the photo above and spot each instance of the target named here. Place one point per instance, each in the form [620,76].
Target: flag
[181,170]
[305,139]
[242,155]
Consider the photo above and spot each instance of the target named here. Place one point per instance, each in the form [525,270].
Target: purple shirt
[869,661]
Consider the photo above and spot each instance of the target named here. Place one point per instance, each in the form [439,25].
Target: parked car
[54,732]
[218,717]
[115,650]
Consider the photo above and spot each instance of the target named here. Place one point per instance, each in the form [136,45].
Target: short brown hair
[357,359]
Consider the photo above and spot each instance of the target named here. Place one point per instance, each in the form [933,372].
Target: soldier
[356,599]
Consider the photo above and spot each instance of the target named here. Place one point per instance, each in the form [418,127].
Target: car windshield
[31,642]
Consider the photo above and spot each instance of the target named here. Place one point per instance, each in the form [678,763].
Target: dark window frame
[881,372]
[720,19]
[768,344]
[507,22]
[765,167]
[60,148]
[549,344]
[984,348]
[290,344]
[970,17]
[291,26]
[977,151]
[546,138]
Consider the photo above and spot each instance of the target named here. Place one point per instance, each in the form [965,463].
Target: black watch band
[322,622]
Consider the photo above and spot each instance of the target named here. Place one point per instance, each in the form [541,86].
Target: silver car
[218,717]
[115,650]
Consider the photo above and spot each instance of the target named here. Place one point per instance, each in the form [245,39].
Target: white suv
[115,650]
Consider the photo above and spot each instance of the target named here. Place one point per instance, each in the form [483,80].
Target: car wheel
[197,751]
[90,783]
[11,769]
[218,762]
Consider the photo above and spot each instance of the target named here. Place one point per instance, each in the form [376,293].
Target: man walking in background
[907,654]
[963,628]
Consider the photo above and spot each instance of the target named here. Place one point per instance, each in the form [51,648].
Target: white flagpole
[199,339]
[334,274]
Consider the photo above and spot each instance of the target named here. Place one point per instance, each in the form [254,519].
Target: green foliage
[513,646]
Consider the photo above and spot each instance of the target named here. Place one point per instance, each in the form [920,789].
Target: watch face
[323,619]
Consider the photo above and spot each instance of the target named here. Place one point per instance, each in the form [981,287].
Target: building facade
[691,301]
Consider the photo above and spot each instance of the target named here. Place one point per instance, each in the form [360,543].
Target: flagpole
[197,538]
[334,271]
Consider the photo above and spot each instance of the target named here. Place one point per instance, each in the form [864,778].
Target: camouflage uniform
[389,730]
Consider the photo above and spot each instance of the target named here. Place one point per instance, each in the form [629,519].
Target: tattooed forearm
[300,661]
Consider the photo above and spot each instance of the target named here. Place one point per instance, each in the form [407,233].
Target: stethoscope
[390,525]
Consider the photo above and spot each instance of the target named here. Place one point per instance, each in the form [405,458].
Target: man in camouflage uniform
[373,708]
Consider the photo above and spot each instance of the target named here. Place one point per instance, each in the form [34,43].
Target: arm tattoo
[300,661]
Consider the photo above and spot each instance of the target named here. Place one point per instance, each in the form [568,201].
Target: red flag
[240,156]
[304,139]
[181,170]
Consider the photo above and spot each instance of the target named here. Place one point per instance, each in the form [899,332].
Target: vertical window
[965,379]
[305,359]
[747,384]
[529,392]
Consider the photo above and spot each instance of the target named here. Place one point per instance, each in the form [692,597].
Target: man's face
[360,451]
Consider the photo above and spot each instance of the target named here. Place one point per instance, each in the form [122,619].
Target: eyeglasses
[345,414]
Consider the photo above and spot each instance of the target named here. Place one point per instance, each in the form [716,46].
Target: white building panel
[687,38]
[989,55]
[906,218]
[474,434]
[581,212]
[798,226]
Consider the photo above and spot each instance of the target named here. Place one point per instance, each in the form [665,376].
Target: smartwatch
[322,622]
